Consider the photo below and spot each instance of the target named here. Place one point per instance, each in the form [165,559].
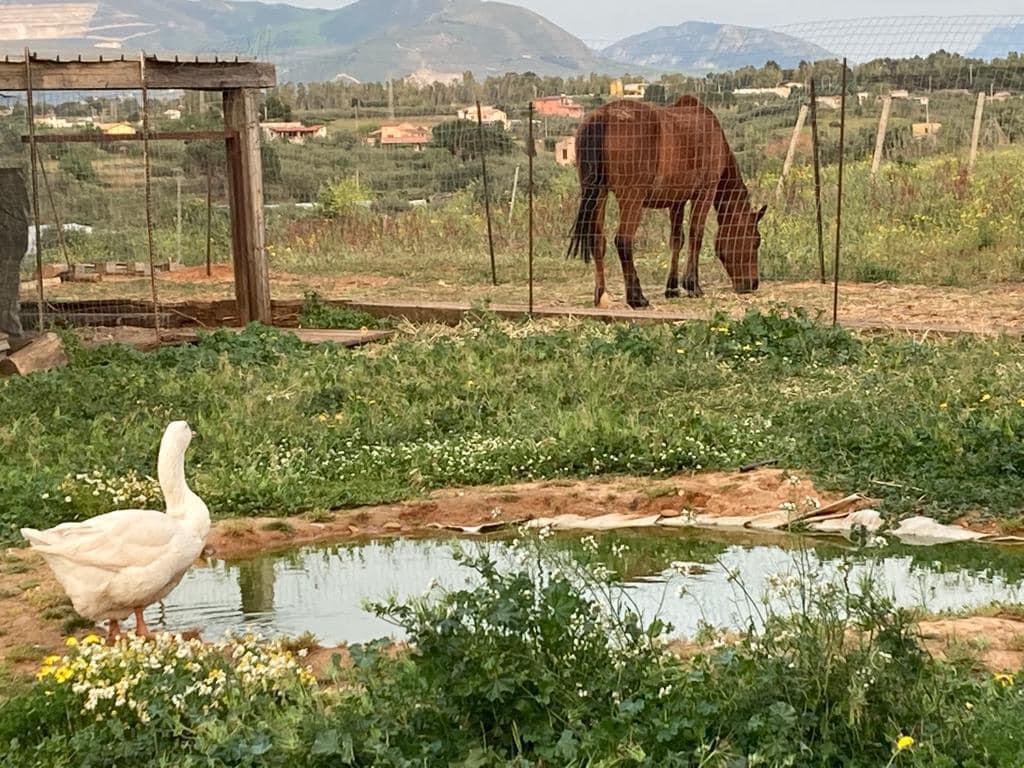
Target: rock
[925,530]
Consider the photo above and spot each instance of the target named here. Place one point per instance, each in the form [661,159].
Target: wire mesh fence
[405,191]
[394,199]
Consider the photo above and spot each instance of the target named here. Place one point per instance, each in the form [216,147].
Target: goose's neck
[170,471]
[181,502]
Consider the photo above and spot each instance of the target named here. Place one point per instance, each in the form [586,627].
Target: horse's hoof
[694,293]
[640,303]
[671,293]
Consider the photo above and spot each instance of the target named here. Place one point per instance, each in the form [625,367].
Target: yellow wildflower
[904,742]
[1021,402]
[49,661]
[943,406]
[71,642]
[91,640]
[339,416]
[63,674]
[44,672]
[986,397]
[1005,680]
[322,417]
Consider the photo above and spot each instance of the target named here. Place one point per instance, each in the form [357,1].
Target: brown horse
[663,157]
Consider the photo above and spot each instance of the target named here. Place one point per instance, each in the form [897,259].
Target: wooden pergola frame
[239,82]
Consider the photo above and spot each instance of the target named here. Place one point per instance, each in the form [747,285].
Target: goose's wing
[116,540]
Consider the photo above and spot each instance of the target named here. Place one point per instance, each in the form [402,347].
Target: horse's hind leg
[630,213]
[698,218]
[676,215]
[598,254]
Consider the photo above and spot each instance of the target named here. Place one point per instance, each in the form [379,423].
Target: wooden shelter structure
[239,81]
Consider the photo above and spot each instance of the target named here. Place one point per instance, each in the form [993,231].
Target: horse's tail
[593,178]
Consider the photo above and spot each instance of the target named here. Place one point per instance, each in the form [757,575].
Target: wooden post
[149,192]
[791,152]
[487,189]
[976,133]
[209,220]
[531,150]
[512,202]
[816,151]
[177,228]
[883,126]
[839,199]
[245,189]
[34,159]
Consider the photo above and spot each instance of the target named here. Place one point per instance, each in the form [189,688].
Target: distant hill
[369,39]
[699,46]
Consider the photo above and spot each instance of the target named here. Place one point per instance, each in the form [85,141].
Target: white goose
[121,562]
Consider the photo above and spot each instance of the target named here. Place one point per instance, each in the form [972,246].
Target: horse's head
[737,243]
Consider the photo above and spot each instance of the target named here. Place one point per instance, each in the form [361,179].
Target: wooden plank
[105,319]
[883,126]
[103,138]
[31,287]
[4,344]
[49,75]
[248,229]
[146,339]
[44,353]
[345,338]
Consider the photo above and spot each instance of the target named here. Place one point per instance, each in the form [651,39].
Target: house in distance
[404,135]
[294,133]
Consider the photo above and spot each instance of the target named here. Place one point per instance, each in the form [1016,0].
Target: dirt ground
[33,609]
[982,309]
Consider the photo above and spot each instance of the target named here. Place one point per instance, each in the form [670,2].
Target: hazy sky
[611,20]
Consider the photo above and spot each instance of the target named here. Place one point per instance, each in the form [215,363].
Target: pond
[321,589]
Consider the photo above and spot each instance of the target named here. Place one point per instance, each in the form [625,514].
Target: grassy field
[928,427]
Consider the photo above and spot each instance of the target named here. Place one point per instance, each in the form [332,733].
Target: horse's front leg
[630,213]
[676,215]
[698,218]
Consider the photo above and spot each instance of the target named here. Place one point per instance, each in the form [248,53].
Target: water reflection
[323,589]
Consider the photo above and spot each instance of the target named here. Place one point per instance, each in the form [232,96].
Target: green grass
[287,428]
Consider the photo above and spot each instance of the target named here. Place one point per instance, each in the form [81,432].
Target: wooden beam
[49,75]
[245,187]
[103,138]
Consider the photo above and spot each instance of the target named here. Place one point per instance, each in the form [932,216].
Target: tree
[656,94]
[202,157]
[271,162]
[77,163]
[462,139]
[274,108]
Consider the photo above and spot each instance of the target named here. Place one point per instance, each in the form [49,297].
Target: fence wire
[375,192]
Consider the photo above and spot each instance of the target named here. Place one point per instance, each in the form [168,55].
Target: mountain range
[376,39]
[700,46]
